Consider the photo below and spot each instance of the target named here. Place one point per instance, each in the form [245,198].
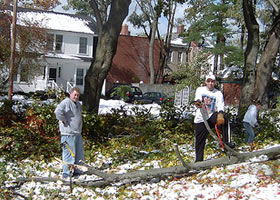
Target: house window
[24,71]
[54,41]
[83,45]
[58,42]
[170,56]
[59,72]
[179,57]
[80,76]
[50,42]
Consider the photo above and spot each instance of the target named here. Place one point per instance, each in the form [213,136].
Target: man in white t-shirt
[211,101]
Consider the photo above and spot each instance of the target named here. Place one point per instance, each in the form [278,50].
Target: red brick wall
[131,61]
[232,93]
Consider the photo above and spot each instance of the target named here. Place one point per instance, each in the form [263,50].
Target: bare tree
[149,15]
[31,45]
[148,19]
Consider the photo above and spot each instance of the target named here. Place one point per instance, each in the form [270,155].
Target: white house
[71,43]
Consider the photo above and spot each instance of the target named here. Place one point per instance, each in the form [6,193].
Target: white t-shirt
[212,101]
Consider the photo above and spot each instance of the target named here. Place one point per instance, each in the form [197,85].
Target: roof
[179,41]
[69,57]
[57,21]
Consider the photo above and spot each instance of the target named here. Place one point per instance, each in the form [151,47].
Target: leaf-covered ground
[255,179]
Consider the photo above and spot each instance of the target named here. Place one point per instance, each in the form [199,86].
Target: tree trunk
[165,47]
[106,48]
[251,53]
[268,59]
[151,49]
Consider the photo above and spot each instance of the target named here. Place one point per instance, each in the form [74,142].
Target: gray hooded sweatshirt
[71,113]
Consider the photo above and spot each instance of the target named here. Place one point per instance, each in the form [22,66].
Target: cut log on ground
[161,173]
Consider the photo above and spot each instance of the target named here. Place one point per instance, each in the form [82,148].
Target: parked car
[127,93]
[154,97]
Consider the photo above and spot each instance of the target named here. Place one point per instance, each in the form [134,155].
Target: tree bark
[106,48]
[151,48]
[251,53]
[166,44]
[268,59]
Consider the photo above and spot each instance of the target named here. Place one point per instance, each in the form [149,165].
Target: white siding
[71,42]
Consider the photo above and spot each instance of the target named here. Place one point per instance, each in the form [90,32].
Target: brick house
[131,61]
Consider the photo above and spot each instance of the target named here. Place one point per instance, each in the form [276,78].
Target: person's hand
[220,119]
[198,103]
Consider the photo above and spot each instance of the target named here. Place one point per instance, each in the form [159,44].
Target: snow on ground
[251,180]
[248,180]
[107,105]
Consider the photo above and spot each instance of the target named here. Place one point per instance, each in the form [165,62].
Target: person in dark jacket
[69,114]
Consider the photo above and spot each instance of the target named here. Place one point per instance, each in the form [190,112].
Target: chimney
[124,30]
[194,44]
[180,29]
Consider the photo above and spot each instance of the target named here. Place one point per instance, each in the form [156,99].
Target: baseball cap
[210,76]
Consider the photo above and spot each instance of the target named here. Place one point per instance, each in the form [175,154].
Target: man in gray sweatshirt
[69,114]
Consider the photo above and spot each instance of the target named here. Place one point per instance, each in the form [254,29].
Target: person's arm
[220,109]
[198,98]
[220,103]
[60,112]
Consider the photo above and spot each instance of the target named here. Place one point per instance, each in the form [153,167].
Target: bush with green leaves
[122,91]
[122,135]
[32,131]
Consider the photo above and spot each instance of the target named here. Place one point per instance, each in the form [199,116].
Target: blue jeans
[76,145]
[250,134]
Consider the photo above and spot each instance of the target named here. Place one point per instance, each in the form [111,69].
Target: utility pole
[13,47]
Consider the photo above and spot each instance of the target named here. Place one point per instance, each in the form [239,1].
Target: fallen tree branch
[180,157]
[136,176]
[14,193]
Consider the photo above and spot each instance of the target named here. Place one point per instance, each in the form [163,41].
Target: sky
[134,31]
[250,180]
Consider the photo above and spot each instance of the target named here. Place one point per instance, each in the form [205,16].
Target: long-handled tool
[219,136]
[65,144]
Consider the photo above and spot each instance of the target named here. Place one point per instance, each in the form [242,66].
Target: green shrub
[121,91]
[120,135]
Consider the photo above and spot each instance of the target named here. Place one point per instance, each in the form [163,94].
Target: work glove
[198,104]
[220,119]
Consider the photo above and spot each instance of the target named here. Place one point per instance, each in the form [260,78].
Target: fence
[182,98]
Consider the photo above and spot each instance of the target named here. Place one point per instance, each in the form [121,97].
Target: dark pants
[201,134]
